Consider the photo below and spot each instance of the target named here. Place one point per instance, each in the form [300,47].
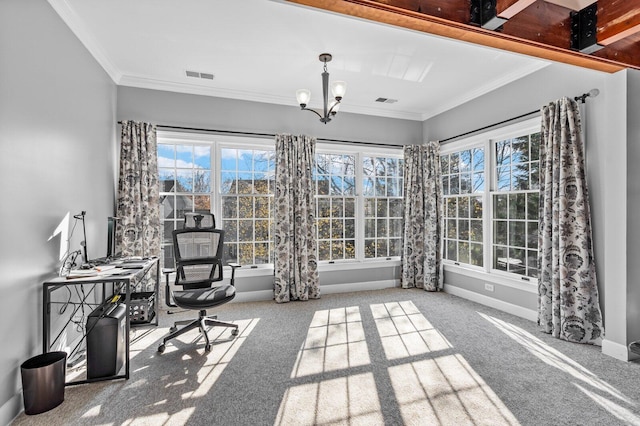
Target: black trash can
[43,379]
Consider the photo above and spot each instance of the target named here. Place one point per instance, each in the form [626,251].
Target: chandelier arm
[333,107]
[313,111]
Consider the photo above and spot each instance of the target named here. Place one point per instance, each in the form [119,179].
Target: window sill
[528,286]
[267,270]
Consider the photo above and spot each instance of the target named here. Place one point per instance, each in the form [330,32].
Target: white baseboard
[11,409]
[262,295]
[615,350]
[361,286]
[509,308]
[253,296]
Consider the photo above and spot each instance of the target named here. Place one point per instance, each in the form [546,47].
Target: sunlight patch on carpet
[335,341]
[446,391]
[553,357]
[405,332]
[350,400]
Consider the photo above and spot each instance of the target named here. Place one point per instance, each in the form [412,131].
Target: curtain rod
[272,135]
[582,98]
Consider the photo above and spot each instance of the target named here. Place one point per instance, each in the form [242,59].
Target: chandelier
[337,89]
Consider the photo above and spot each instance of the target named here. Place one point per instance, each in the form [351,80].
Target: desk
[120,280]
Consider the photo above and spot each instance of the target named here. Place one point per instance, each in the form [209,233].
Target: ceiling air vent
[386,100]
[196,74]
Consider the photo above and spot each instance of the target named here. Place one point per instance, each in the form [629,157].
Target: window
[358,196]
[344,211]
[491,193]
[184,172]
[463,178]
[382,189]
[335,179]
[515,205]
[246,188]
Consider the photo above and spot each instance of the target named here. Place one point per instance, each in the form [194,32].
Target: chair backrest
[198,255]
[199,220]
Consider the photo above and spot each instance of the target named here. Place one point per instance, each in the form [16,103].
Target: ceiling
[263,51]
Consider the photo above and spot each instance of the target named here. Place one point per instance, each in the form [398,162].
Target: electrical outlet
[488,287]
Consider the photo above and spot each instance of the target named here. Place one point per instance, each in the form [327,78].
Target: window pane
[517,206]
[500,206]
[463,207]
[517,233]
[475,231]
[500,232]
[463,252]
[465,161]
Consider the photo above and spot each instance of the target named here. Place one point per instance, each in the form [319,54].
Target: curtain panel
[568,302]
[296,265]
[423,221]
[138,200]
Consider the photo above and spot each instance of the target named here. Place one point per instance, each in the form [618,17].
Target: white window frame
[218,142]
[486,140]
[359,152]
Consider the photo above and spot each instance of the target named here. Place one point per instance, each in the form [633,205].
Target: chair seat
[202,298]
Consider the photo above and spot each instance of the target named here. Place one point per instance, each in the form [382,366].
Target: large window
[246,188]
[515,205]
[184,172]
[382,189]
[358,196]
[463,183]
[491,193]
[359,205]
[335,178]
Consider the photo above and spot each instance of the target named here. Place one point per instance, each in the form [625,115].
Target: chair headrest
[199,220]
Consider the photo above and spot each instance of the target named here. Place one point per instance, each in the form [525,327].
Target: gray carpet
[379,357]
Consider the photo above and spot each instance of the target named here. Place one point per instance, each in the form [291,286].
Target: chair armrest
[167,289]
[233,266]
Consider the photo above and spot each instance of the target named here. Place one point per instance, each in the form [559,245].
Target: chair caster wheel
[173,329]
[161,348]
[207,348]
[234,332]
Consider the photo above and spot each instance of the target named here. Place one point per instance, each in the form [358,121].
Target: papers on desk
[91,272]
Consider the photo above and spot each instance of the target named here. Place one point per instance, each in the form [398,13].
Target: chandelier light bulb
[303,96]
[338,88]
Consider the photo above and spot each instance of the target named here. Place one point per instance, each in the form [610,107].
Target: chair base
[201,323]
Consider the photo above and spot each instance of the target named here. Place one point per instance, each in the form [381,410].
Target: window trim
[358,152]
[218,142]
[486,140]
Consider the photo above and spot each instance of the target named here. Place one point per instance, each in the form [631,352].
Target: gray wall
[612,137]
[57,133]
[633,207]
[177,109]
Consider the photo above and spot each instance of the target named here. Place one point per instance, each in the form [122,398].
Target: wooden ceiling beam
[507,9]
[388,14]
[617,19]
[453,10]
[626,50]
[542,22]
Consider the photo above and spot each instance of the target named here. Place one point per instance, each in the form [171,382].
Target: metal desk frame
[117,280]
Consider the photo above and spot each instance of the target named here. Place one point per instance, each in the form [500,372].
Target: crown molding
[70,17]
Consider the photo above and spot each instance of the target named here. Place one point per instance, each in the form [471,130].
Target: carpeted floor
[378,357]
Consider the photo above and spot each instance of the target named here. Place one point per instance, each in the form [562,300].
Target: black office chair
[198,259]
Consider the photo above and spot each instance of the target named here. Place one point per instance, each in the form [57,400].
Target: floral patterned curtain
[138,206]
[568,303]
[423,222]
[296,266]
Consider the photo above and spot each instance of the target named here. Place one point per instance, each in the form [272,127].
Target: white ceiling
[263,51]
